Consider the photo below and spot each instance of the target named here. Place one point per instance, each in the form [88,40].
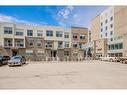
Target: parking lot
[61,75]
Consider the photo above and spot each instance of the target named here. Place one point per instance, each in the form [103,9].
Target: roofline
[100,13]
[79,27]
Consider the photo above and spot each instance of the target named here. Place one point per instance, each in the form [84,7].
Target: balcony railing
[60,46]
[49,46]
[8,44]
[19,45]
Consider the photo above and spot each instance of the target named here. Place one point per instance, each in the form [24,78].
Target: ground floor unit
[47,54]
[116,48]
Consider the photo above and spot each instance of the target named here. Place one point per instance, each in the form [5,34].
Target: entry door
[14,52]
[53,53]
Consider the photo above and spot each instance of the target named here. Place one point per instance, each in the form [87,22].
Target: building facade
[109,28]
[41,43]
[79,39]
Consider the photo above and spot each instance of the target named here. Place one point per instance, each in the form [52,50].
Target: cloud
[71,16]
[64,14]
[11,19]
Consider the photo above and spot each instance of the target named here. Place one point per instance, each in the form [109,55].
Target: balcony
[6,44]
[19,45]
[48,45]
[60,46]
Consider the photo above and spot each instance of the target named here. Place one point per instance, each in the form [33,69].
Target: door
[14,52]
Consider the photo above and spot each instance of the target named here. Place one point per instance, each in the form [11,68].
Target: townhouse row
[109,32]
[40,43]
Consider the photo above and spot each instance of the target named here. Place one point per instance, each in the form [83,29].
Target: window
[112,47]
[30,42]
[66,35]
[75,36]
[101,23]
[111,25]
[19,32]
[49,33]
[106,28]
[105,34]
[29,32]
[106,21]
[120,45]
[80,45]
[111,18]
[19,43]
[39,33]
[66,44]
[101,29]
[82,37]
[75,45]
[110,32]
[48,44]
[7,30]
[8,42]
[66,53]
[101,35]
[116,46]
[109,47]
[60,44]
[59,34]
[38,42]
[111,39]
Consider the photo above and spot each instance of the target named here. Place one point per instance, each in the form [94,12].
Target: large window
[66,35]
[66,44]
[29,32]
[8,42]
[19,43]
[49,33]
[7,30]
[19,32]
[116,46]
[59,33]
[39,33]
[66,53]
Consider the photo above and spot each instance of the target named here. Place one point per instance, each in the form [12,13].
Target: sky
[66,16]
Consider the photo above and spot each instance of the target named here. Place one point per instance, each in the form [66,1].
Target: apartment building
[79,39]
[42,43]
[109,28]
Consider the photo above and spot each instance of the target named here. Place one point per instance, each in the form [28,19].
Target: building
[79,39]
[41,43]
[109,28]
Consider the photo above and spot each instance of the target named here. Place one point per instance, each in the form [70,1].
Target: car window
[1,57]
[16,57]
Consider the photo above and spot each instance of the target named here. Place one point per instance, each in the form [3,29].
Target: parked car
[123,60]
[4,59]
[16,61]
[110,59]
